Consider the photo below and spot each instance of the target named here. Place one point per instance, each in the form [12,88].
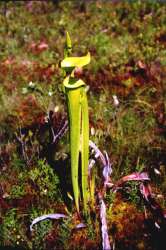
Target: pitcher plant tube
[77,105]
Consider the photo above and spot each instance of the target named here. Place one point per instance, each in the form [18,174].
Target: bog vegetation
[82,149]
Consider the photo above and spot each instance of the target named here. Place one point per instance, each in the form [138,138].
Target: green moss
[46,180]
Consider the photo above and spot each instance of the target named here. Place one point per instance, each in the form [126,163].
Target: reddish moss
[126,225]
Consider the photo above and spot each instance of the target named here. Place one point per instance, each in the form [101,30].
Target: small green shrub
[46,180]
[17,191]
[11,230]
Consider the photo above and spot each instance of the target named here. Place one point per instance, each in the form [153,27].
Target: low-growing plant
[17,191]
[64,233]
[46,180]
[11,232]
[40,230]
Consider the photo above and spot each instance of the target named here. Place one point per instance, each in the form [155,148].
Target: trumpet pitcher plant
[77,104]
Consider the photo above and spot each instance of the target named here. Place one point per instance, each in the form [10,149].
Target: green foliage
[64,233]
[17,191]
[17,163]
[46,180]
[126,139]
[41,229]
[12,232]
[91,224]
